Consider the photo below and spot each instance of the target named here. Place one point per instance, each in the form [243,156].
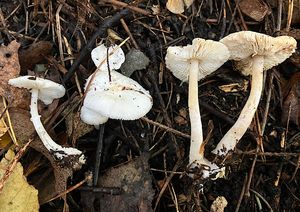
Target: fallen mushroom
[192,63]
[46,91]
[177,6]
[253,53]
[117,98]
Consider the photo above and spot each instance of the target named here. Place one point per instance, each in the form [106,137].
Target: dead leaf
[34,54]
[290,105]
[22,125]
[75,127]
[234,87]
[182,118]
[10,68]
[255,9]
[135,180]
[17,194]
[3,128]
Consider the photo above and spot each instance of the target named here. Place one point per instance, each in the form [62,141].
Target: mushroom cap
[210,55]
[116,58]
[91,117]
[48,90]
[122,98]
[177,6]
[246,44]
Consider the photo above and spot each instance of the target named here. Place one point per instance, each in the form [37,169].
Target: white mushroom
[253,53]
[177,6]
[46,91]
[192,63]
[115,57]
[121,98]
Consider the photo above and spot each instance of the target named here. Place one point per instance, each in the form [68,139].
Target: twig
[107,23]
[275,154]
[133,8]
[279,15]
[167,181]
[241,194]
[129,33]
[263,199]
[13,164]
[247,193]
[69,189]
[168,129]
[98,155]
[290,15]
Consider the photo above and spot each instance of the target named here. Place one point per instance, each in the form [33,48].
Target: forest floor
[142,165]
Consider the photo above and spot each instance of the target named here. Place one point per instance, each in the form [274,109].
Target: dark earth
[143,164]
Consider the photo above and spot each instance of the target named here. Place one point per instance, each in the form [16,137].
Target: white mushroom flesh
[115,57]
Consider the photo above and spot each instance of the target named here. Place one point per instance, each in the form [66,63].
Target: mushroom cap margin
[244,45]
[210,54]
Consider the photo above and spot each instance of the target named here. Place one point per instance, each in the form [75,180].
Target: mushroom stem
[59,151]
[232,137]
[196,152]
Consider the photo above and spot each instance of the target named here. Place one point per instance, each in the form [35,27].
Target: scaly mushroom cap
[246,44]
[122,98]
[210,55]
[99,55]
[48,90]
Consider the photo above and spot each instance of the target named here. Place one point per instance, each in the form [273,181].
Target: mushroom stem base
[58,151]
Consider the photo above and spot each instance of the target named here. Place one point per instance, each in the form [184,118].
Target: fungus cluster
[253,53]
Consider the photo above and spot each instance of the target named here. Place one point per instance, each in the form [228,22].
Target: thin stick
[133,8]
[110,22]
[279,15]
[290,15]
[168,129]
[263,199]
[167,181]
[13,164]
[129,33]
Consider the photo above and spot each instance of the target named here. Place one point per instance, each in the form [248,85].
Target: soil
[142,164]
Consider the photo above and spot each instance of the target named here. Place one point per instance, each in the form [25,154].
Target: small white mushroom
[121,98]
[46,91]
[253,53]
[115,57]
[192,63]
[177,6]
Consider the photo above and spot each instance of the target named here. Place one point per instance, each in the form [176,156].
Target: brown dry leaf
[34,54]
[290,105]
[177,6]
[75,127]
[135,180]
[255,9]
[181,119]
[10,68]
[219,204]
[17,195]
[234,87]
[22,125]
